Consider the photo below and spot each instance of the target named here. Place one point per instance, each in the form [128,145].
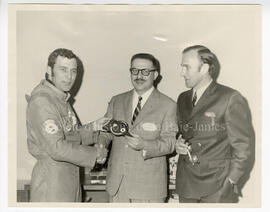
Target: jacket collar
[150,104]
[57,92]
[202,102]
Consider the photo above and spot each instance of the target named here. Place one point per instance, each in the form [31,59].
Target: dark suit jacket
[220,131]
[146,176]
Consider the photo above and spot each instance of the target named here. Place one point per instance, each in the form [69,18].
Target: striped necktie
[194,99]
[137,110]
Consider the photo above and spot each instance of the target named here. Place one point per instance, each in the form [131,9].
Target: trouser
[122,197]
[217,197]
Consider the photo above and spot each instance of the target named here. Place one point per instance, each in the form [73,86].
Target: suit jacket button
[199,144]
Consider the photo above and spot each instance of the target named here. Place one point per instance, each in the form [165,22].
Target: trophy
[117,128]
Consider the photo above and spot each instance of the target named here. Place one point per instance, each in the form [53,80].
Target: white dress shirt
[200,91]
[145,96]
[135,100]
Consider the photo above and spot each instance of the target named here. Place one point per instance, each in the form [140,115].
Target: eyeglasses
[144,71]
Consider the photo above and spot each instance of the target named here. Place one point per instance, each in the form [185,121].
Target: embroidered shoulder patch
[49,126]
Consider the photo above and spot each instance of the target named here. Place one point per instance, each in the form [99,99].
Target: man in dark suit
[215,132]
[137,167]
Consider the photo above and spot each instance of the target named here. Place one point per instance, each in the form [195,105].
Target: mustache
[139,80]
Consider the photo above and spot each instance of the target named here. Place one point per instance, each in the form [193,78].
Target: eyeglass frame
[142,71]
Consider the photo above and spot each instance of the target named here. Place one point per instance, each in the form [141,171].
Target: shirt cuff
[144,153]
[235,188]
[232,182]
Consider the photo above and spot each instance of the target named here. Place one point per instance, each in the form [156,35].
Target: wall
[105,38]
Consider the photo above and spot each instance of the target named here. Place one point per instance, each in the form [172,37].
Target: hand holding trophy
[100,123]
[183,147]
[117,128]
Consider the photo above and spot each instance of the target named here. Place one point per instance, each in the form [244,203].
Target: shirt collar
[145,96]
[60,94]
[201,90]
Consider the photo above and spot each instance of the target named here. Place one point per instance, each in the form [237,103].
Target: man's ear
[49,72]
[156,75]
[204,68]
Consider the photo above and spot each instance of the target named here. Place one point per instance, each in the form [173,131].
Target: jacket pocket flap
[217,163]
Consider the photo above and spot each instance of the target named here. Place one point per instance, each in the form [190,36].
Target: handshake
[102,153]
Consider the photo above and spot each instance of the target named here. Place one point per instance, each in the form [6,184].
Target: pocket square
[210,114]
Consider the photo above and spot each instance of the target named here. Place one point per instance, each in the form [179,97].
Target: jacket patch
[50,127]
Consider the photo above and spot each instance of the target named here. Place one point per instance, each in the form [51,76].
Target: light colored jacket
[146,175]
[54,139]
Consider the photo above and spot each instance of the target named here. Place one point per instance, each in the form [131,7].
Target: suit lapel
[204,100]
[128,107]
[148,107]
[188,102]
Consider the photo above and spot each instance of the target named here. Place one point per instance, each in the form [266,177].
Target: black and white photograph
[128,104]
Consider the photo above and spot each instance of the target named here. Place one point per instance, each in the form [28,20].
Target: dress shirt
[200,91]
[145,96]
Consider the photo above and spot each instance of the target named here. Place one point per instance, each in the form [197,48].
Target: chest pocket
[148,130]
[70,128]
[208,124]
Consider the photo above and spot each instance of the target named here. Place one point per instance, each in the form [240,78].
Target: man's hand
[101,153]
[135,142]
[99,123]
[227,189]
[181,147]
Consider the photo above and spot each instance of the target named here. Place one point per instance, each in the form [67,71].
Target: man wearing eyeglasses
[137,168]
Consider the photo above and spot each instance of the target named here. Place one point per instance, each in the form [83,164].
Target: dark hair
[147,56]
[207,57]
[60,52]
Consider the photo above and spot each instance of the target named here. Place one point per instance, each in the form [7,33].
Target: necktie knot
[139,102]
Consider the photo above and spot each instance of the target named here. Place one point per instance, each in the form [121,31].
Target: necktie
[194,99]
[137,110]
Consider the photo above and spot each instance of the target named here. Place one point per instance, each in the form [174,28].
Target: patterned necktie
[137,110]
[194,99]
